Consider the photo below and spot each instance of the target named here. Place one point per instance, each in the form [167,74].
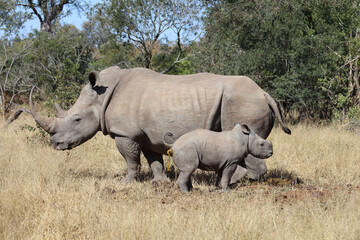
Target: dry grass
[312,191]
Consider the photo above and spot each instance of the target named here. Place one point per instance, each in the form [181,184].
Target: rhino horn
[44,122]
[61,113]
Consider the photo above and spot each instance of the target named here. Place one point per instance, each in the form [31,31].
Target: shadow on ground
[275,177]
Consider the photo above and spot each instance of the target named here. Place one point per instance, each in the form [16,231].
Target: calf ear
[245,129]
[94,78]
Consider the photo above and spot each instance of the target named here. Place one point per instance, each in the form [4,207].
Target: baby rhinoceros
[215,151]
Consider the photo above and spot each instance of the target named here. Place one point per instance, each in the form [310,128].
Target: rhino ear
[245,129]
[94,78]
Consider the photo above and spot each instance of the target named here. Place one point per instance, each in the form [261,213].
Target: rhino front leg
[130,150]
[156,164]
[256,167]
[252,166]
[240,173]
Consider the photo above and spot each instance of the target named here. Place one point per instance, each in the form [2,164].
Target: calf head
[257,146]
[75,126]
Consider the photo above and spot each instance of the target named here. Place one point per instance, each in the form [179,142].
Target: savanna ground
[312,191]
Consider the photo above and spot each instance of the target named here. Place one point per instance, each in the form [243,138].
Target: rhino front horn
[44,122]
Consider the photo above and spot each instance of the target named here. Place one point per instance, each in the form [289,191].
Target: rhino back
[147,104]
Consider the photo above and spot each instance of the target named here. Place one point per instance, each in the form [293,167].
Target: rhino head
[77,125]
[257,146]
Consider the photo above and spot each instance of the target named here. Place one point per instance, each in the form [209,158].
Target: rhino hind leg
[156,164]
[130,150]
[226,175]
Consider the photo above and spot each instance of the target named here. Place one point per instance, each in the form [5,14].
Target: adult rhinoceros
[138,106]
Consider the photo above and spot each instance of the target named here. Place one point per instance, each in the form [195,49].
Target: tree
[289,48]
[10,19]
[145,23]
[61,62]
[343,85]
[48,11]
[14,75]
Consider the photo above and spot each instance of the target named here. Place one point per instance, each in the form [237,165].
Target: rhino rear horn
[44,122]
[61,113]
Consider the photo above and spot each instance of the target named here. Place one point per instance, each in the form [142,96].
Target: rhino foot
[221,190]
[160,178]
[126,181]
[239,174]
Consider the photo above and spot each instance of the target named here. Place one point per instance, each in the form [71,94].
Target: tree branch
[16,115]
[33,8]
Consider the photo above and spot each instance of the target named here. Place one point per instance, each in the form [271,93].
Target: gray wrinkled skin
[137,106]
[216,151]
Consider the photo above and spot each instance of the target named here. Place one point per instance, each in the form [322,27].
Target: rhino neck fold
[104,106]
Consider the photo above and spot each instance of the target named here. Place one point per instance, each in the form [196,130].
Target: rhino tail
[167,144]
[275,109]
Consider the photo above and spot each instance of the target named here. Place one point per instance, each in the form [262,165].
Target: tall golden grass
[312,191]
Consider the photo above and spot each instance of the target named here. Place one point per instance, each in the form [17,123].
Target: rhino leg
[130,150]
[226,176]
[156,164]
[256,167]
[184,181]
[252,166]
[239,173]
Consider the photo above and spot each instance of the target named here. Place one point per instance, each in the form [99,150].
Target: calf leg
[130,150]
[187,161]
[156,164]
[226,176]
[218,178]
[184,181]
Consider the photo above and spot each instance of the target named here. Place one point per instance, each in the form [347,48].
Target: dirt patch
[303,194]
[287,188]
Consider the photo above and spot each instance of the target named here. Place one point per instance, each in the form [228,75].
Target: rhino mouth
[61,146]
[269,154]
[264,155]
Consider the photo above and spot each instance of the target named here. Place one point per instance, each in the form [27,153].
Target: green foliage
[354,113]
[143,26]
[304,53]
[169,54]
[14,72]
[292,49]
[39,135]
[10,19]
[61,60]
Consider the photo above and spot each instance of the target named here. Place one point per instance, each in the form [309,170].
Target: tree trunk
[45,27]
[356,88]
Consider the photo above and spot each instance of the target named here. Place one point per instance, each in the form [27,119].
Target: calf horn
[44,122]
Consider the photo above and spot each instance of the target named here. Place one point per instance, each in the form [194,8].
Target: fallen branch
[16,115]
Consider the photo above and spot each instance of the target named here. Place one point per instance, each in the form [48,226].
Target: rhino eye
[76,118]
